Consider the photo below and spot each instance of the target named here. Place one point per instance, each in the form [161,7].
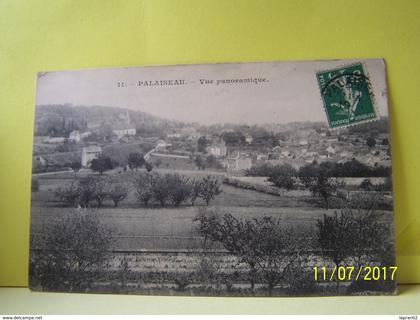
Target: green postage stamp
[347,95]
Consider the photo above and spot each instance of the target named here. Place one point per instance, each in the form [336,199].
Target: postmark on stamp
[347,95]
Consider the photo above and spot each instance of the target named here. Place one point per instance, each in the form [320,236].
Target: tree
[370,142]
[101,164]
[195,190]
[284,177]
[334,236]
[354,235]
[68,195]
[233,138]
[210,188]
[260,243]
[143,184]
[199,162]
[180,188]
[148,166]
[78,248]
[86,190]
[76,166]
[105,132]
[202,144]
[368,233]
[318,180]
[161,189]
[212,162]
[135,160]
[117,193]
[100,192]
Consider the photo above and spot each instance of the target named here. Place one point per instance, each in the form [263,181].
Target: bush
[283,177]
[352,168]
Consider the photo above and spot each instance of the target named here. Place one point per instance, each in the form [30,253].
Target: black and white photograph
[224,179]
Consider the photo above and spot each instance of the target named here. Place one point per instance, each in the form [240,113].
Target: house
[238,163]
[85,134]
[40,160]
[330,151]
[218,150]
[54,140]
[312,154]
[124,131]
[161,145]
[90,153]
[75,136]
[262,156]
[173,135]
[303,142]
[248,138]
[286,154]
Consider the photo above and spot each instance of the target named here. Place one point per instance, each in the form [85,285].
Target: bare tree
[100,191]
[260,243]
[195,190]
[210,188]
[180,188]
[142,184]
[75,250]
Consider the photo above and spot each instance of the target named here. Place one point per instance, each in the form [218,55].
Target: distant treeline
[351,168]
[59,120]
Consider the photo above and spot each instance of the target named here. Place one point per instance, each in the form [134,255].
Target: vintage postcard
[235,179]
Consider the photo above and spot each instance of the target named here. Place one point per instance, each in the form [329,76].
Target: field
[160,245]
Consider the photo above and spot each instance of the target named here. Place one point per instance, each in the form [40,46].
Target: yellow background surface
[58,34]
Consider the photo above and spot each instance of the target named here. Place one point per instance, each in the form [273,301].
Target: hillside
[60,120]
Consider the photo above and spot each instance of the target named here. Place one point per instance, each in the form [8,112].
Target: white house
[303,142]
[75,136]
[218,150]
[90,153]
[124,131]
[238,163]
[54,140]
[330,151]
[173,135]
[248,139]
[85,134]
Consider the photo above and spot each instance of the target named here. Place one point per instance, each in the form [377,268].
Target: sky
[289,93]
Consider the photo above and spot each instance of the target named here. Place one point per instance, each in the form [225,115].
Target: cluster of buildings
[305,147]
[297,147]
